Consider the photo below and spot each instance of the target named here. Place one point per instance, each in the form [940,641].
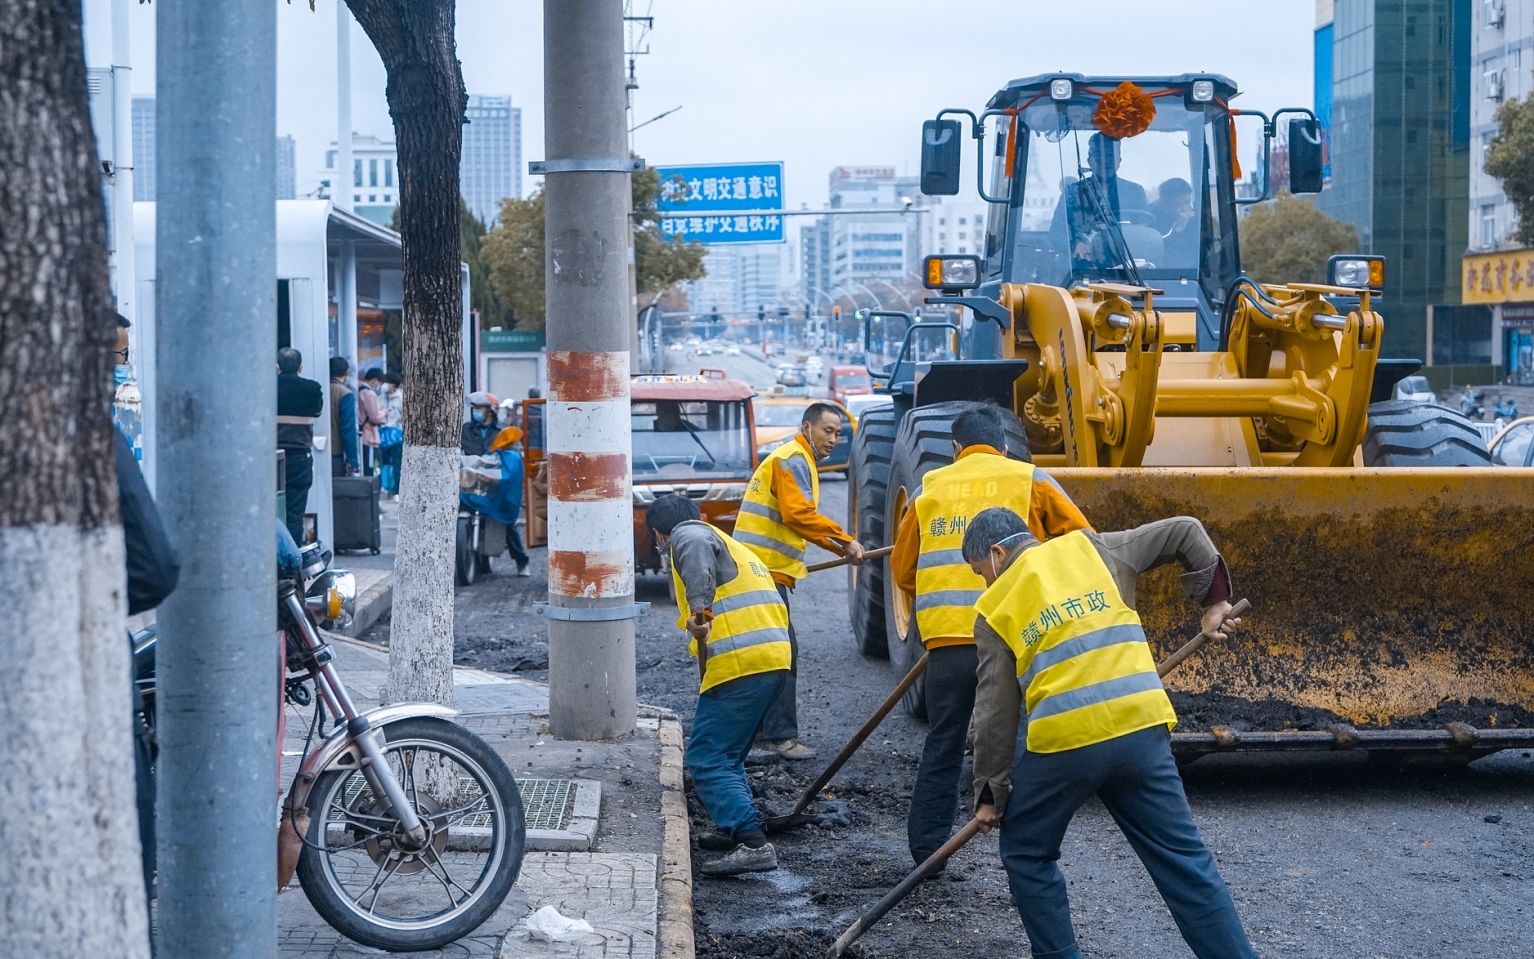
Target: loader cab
[1115,179]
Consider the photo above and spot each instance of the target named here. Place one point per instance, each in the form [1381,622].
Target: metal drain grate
[547,803]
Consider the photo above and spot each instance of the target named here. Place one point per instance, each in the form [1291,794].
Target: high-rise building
[864,254]
[375,183]
[1496,326]
[1399,107]
[741,279]
[143,148]
[954,224]
[143,155]
[491,166]
[287,173]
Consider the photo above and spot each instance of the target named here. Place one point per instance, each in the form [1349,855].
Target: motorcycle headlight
[332,599]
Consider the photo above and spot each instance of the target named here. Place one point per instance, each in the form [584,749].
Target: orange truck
[850,381]
[692,435]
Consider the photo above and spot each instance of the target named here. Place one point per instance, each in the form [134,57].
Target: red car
[850,381]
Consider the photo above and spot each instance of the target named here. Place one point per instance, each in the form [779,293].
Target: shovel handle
[867,555]
[1196,643]
[934,862]
[860,736]
[700,619]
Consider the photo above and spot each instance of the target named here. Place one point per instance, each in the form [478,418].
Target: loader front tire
[925,442]
[1403,433]
[867,483]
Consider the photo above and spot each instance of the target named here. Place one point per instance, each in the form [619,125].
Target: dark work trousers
[782,720]
[1136,779]
[723,727]
[514,544]
[950,682]
[300,477]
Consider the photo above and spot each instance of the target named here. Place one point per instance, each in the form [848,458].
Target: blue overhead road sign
[710,203]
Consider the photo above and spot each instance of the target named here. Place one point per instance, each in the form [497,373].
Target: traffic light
[761,314]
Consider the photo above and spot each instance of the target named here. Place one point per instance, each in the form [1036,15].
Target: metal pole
[591,551]
[346,306]
[125,282]
[341,186]
[216,276]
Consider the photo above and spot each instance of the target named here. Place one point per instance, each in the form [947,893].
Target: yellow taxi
[780,410]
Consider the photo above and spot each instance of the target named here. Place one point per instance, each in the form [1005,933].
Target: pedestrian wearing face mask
[479,432]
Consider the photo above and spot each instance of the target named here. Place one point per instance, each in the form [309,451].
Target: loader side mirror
[940,157]
[1304,156]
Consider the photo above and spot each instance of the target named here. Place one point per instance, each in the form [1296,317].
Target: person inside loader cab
[1059,641]
[777,519]
[739,627]
[1089,216]
[927,564]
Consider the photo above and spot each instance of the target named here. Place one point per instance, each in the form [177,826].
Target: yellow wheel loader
[1387,561]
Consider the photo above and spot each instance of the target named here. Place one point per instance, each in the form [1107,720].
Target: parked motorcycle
[410,826]
[1507,409]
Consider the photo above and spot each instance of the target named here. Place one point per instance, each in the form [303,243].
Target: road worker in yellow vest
[739,627]
[1061,648]
[777,520]
[928,564]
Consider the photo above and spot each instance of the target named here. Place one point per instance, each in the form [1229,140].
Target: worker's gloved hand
[854,552]
[699,626]
[1216,623]
[988,816]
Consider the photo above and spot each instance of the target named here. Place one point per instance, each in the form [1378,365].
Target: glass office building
[1398,103]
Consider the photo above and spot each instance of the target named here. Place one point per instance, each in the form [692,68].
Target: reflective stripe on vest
[750,628]
[759,524]
[1084,667]
[946,588]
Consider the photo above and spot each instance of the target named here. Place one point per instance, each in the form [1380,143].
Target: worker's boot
[792,749]
[753,854]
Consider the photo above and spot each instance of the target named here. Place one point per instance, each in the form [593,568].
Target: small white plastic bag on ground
[547,924]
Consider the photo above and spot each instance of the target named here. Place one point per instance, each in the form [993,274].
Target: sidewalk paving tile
[615,892]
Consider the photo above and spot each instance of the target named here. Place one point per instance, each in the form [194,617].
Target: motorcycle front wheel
[372,884]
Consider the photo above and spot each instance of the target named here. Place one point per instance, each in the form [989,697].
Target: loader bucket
[1391,608]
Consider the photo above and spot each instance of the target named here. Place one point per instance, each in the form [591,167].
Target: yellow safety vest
[750,627]
[1082,661]
[760,525]
[946,588]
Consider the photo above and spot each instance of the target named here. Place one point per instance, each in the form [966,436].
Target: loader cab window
[1150,209]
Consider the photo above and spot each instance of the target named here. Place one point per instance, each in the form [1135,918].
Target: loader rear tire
[867,482]
[1405,433]
[925,442]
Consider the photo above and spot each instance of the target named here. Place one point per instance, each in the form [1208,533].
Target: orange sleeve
[800,515]
[902,562]
[1050,512]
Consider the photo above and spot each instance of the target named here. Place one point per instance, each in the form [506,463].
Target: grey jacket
[1127,554]
[702,561]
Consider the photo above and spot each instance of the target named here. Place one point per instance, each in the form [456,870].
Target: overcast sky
[814,84]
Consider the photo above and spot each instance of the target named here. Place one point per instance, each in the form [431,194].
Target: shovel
[795,818]
[868,555]
[936,860]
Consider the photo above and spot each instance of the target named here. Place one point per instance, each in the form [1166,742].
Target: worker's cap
[481,398]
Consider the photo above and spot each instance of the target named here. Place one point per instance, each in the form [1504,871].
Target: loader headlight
[1356,271]
[1203,91]
[952,274]
[1061,89]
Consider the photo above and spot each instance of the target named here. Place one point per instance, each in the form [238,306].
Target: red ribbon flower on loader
[1123,112]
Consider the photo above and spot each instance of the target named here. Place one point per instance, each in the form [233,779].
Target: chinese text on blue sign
[709,203]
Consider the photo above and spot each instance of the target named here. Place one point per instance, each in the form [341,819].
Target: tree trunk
[70,874]
[415,40]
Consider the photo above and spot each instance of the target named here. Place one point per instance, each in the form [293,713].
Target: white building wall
[1502,65]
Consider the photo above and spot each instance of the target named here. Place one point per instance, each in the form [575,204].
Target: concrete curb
[676,934]
[370,606]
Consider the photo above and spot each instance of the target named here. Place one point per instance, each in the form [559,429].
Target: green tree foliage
[1289,241]
[1510,158]
[513,251]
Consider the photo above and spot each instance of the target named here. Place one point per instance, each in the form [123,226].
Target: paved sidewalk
[617,886]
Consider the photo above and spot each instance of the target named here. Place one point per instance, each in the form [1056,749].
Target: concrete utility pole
[125,282]
[216,277]
[591,554]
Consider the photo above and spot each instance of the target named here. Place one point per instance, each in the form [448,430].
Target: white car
[1417,389]
[732,351]
[857,405]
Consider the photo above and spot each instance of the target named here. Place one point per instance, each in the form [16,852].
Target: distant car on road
[849,381]
[732,351]
[1417,389]
[793,376]
[861,403]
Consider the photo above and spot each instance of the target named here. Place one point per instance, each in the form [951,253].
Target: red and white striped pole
[591,605]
